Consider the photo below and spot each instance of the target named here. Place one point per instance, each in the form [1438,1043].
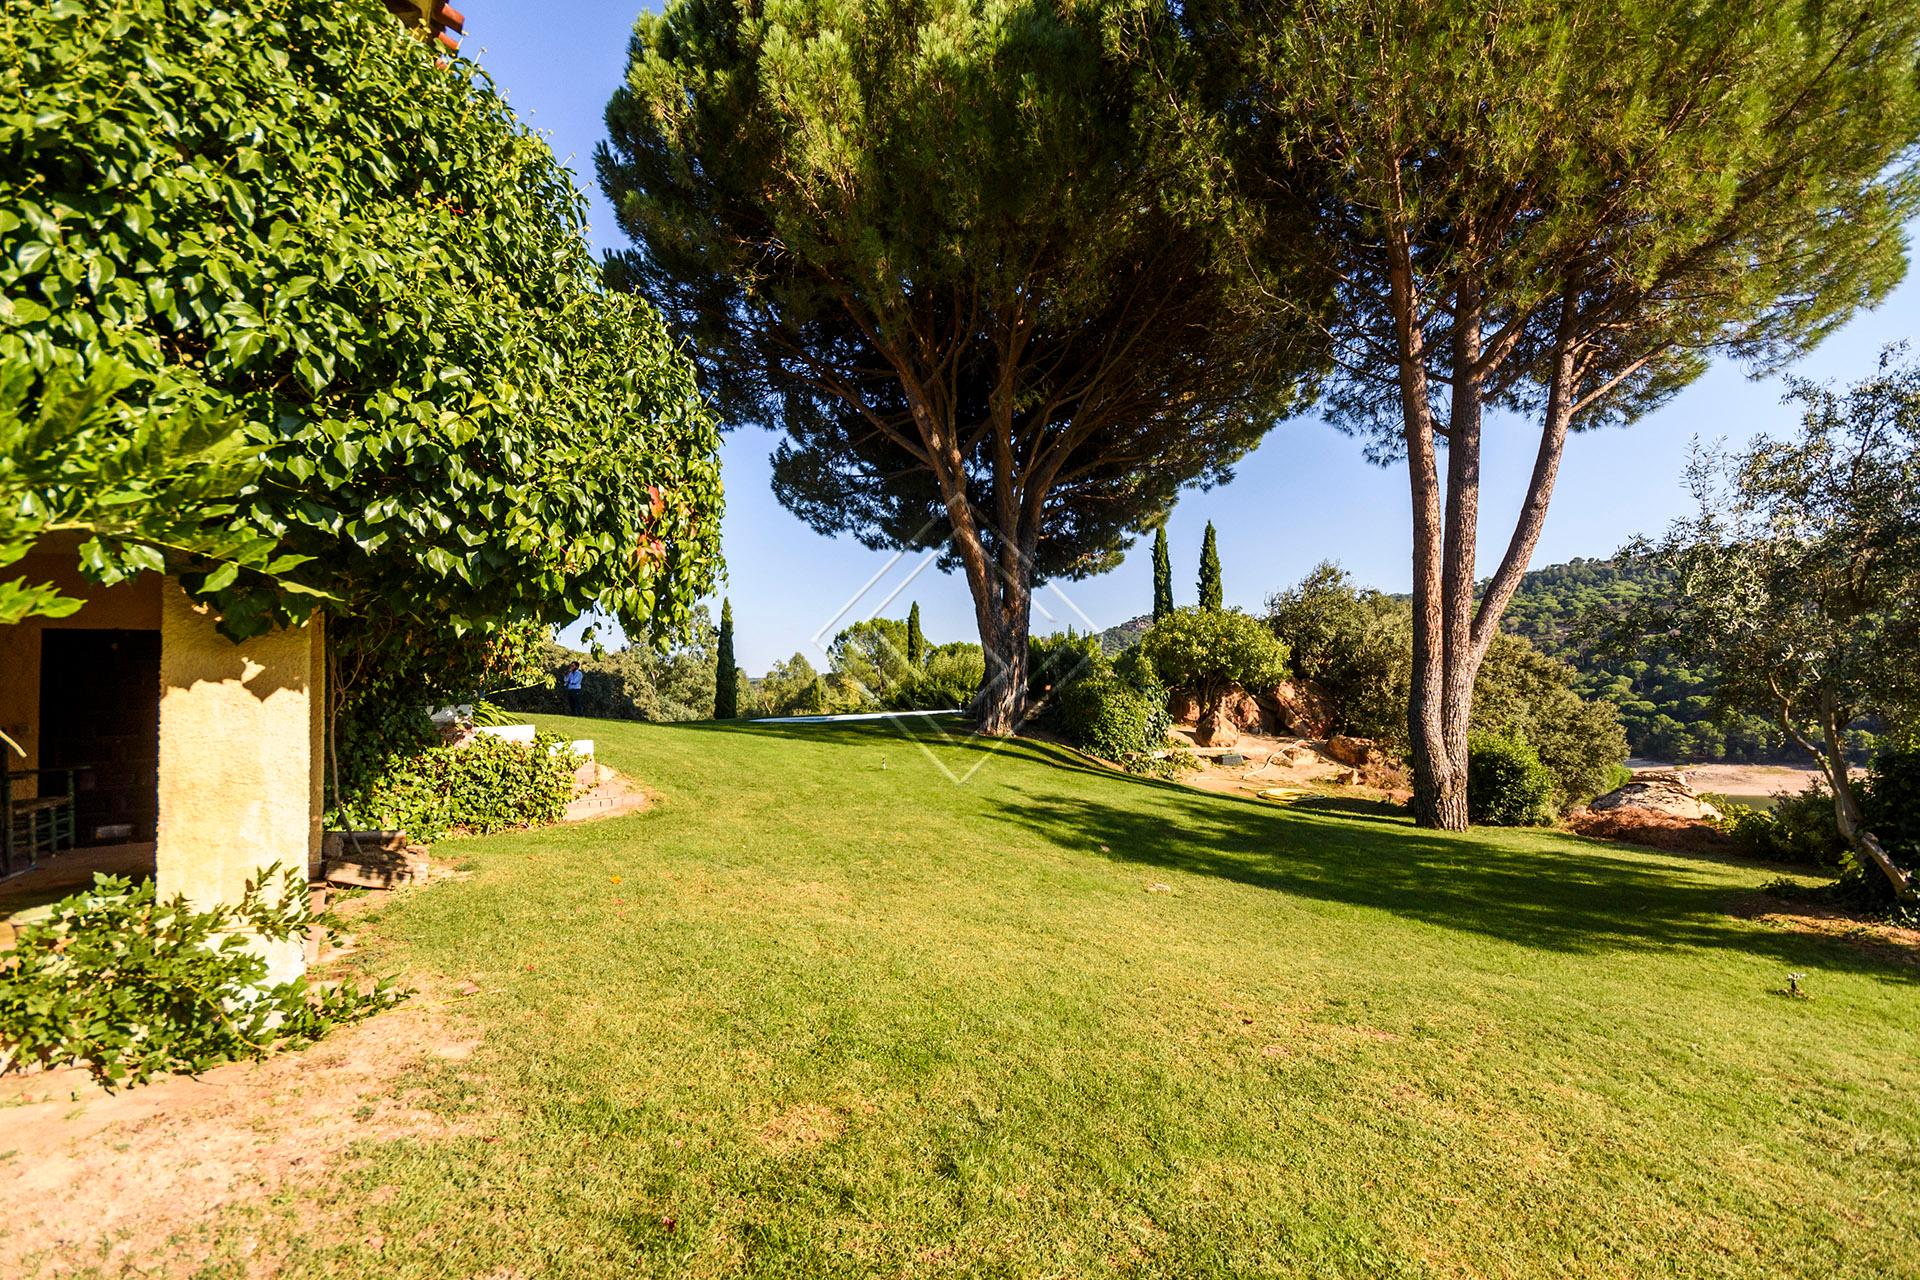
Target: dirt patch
[1653,829]
[1897,943]
[1294,765]
[806,1125]
[103,1180]
[613,795]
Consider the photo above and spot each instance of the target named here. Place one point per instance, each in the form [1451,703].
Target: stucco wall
[239,757]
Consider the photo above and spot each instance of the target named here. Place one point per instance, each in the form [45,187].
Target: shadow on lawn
[1590,899]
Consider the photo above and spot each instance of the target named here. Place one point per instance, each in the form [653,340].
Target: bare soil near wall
[97,1181]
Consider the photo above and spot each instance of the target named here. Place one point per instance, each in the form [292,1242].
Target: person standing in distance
[572,682]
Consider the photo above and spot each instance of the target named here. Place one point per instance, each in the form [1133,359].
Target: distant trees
[970,259]
[1666,701]
[1162,576]
[638,682]
[1799,578]
[1211,596]
[1544,210]
[872,656]
[726,672]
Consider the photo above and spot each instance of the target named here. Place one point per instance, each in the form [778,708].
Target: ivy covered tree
[1162,575]
[1211,596]
[297,221]
[72,461]
[1562,214]
[726,673]
[969,258]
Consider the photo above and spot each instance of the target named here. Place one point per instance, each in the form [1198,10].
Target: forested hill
[1666,707]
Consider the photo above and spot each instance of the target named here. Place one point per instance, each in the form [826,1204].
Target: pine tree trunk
[1000,707]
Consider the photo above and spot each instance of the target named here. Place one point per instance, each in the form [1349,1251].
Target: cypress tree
[916,639]
[1162,576]
[1209,571]
[726,675]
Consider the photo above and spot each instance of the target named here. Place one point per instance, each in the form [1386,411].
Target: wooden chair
[34,824]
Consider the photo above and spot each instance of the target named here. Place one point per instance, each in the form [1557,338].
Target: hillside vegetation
[1666,706]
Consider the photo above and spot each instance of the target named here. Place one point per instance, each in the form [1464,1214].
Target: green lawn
[823,1012]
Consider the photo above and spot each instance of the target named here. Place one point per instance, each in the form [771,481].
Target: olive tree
[1799,579]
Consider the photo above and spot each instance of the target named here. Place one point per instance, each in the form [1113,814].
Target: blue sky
[1304,496]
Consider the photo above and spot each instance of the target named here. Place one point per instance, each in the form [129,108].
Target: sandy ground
[93,1179]
[1271,764]
[1738,779]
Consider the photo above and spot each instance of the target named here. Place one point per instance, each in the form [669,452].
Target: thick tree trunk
[1439,778]
[1000,707]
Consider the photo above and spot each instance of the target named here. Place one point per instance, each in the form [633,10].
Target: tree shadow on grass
[1536,889]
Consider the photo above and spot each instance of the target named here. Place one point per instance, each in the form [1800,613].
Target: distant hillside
[1123,637]
[1666,707]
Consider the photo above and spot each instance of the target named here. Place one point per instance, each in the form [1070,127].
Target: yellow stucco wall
[240,731]
[132,605]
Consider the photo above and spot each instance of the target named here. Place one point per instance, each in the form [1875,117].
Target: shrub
[1507,786]
[950,677]
[1168,767]
[1799,829]
[129,986]
[1110,718]
[1208,651]
[486,785]
[1891,803]
[1056,661]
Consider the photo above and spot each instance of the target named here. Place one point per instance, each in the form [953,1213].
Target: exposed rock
[1215,731]
[1661,791]
[1357,752]
[1243,711]
[1297,708]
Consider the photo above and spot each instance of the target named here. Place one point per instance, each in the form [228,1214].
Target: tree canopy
[1799,577]
[296,220]
[968,258]
[1208,651]
[1562,213]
